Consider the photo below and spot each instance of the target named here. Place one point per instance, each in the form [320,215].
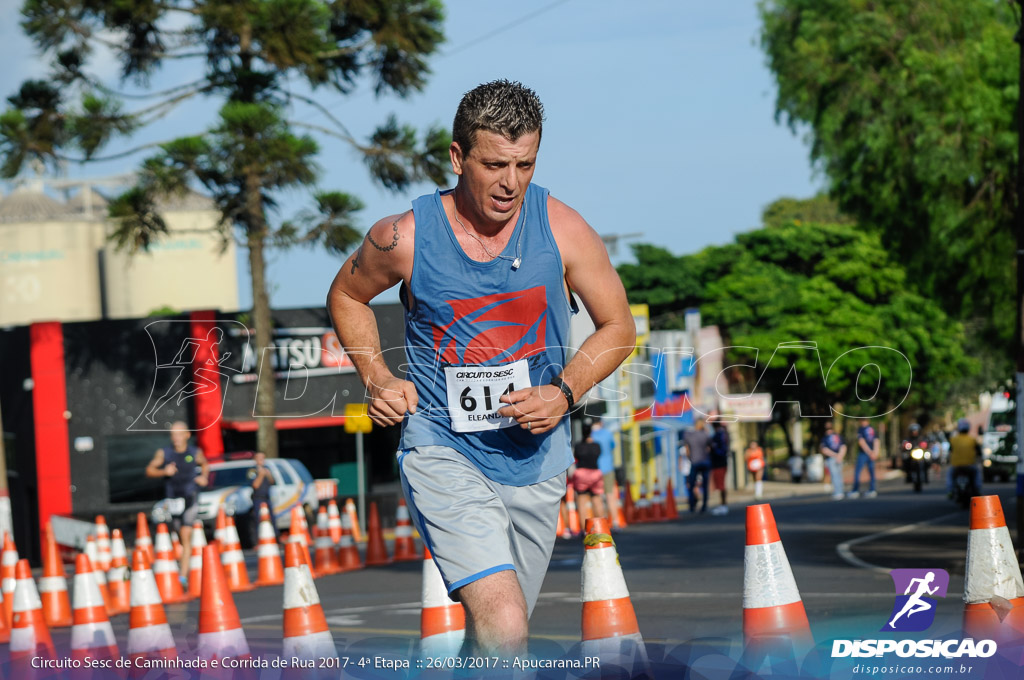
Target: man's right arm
[156,465]
[383,259]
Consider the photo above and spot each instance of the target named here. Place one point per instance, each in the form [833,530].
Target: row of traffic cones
[306,635]
[661,508]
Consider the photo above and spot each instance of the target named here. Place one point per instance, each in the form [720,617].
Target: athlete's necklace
[518,260]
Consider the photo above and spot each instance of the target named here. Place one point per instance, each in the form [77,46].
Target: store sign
[311,351]
[748,407]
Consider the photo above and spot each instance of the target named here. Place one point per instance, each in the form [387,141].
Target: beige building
[57,264]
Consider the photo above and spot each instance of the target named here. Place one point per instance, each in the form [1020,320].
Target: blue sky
[660,120]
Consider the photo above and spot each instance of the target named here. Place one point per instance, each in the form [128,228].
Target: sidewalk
[774,490]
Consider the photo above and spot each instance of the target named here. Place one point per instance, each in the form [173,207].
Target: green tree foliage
[258,57]
[830,284]
[909,108]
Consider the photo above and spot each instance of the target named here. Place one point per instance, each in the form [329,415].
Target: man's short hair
[507,108]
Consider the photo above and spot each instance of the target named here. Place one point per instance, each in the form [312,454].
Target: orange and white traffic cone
[774,620]
[993,587]
[177,549]
[671,511]
[297,531]
[574,518]
[643,506]
[628,507]
[348,553]
[103,556]
[195,560]
[222,522]
[405,544]
[149,636]
[610,629]
[269,570]
[376,551]
[334,522]
[100,576]
[165,569]
[560,530]
[5,631]
[618,516]
[233,560]
[325,558]
[142,538]
[30,638]
[195,572]
[118,578]
[198,534]
[350,510]
[8,580]
[306,635]
[442,620]
[657,503]
[220,631]
[91,633]
[53,586]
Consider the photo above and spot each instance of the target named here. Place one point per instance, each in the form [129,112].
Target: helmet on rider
[915,429]
[963,425]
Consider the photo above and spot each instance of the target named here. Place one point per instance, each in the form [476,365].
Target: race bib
[755,464]
[474,394]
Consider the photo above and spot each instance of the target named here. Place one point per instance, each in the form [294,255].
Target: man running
[486,270]
[184,470]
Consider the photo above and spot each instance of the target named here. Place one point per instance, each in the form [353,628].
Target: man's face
[259,458]
[494,175]
[179,437]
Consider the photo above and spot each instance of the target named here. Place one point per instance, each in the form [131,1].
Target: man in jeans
[834,450]
[868,447]
[698,451]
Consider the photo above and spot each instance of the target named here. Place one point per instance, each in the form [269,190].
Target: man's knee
[496,613]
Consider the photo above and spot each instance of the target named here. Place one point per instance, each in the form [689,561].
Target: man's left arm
[590,274]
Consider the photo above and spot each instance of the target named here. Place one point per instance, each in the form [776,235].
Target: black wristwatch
[566,391]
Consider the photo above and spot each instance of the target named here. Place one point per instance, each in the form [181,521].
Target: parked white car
[230,487]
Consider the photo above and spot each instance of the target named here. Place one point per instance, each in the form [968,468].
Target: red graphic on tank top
[503,326]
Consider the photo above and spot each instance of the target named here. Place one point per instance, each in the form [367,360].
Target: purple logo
[916,590]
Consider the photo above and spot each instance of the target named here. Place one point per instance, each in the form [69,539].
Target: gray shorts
[475,526]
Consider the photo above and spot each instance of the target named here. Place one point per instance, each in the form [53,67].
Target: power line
[502,29]
[465,46]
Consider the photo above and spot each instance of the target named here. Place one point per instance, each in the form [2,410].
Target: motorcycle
[917,460]
[963,486]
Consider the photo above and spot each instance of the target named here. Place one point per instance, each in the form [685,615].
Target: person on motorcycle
[964,451]
[913,440]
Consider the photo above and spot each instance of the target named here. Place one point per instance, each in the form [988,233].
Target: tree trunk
[266,434]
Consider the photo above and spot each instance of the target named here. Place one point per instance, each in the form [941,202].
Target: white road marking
[845,548]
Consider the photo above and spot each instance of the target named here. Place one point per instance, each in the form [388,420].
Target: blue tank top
[183,481]
[460,312]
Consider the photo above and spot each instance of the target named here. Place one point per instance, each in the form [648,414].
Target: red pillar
[206,371]
[50,404]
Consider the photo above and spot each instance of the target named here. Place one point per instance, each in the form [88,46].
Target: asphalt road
[685,578]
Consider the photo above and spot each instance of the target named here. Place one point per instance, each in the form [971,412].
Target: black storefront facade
[86,404]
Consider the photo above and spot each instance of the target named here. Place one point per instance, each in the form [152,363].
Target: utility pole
[1018,225]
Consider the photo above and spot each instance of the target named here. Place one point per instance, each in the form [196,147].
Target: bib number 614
[469,402]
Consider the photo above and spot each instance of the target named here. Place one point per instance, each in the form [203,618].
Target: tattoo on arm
[355,260]
[394,237]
